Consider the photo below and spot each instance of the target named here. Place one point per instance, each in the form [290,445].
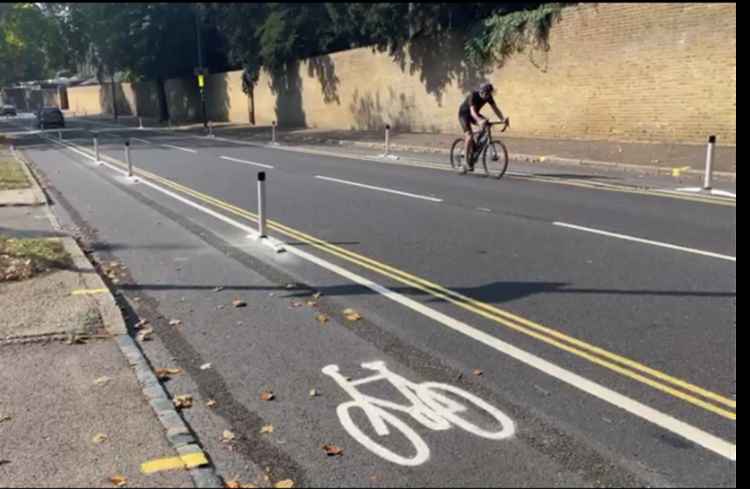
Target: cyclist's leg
[465,122]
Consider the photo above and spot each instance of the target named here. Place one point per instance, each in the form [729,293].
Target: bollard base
[389,156]
[272,243]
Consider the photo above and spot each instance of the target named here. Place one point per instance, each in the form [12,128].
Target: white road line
[180,148]
[706,440]
[647,241]
[245,162]
[141,140]
[355,184]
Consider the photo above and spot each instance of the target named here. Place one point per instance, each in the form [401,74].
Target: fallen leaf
[183,401]
[102,380]
[233,484]
[477,372]
[145,334]
[332,450]
[175,322]
[317,295]
[322,318]
[141,323]
[218,289]
[312,303]
[99,438]
[352,315]
[118,480]
[205,366]
[313,393]
[291,286]
[165,373]
[239,303]
[3,419]
[297,303]
[211,403]
[228,436]
[267,396]
[285,484]
[267,429]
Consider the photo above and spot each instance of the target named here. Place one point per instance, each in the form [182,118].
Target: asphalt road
[603,322]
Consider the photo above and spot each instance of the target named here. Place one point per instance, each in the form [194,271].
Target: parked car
[8,110]
[49,117]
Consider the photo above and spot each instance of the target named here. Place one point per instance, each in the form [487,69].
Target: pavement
[574,306]
[72,413]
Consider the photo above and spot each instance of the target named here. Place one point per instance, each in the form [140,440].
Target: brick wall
[625,72]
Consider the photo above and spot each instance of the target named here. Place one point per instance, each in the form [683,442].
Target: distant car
[8,110]
[49,117]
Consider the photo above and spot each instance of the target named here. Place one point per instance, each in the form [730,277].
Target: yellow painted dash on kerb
[189,461]
[89,291]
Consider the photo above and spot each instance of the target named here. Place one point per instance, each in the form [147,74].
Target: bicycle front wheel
[495,159]
[479,417]
[422,450]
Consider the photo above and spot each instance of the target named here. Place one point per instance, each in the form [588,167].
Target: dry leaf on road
[175,322]
[313,393]
[145,334]
[99,438]
[118,480]
[317,295]
[165,373]
[183,401]
[218,289]
[233,484]
[352,315]
[211,403]
[3,419]
[285,484]
[239,303]
[267,396]
[205,366]
[140,324]
[227,436]
[332,450]
[477,372]
[322,318]
[267,429]
[102,380]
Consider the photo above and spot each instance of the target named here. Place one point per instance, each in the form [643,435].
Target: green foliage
[503,33]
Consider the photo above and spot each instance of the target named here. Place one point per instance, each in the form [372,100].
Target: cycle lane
[282,348]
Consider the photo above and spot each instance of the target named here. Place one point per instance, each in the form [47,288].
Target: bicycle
[485,146]
[429,407]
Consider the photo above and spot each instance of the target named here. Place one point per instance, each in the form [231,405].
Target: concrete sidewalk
[72,413]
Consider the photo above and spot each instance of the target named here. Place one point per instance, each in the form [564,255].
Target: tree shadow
[440,61]
[324,69]
[148,103]
[217,97]
[183,100]
[112,97]
[286,85]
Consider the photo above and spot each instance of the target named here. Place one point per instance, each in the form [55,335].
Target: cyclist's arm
[476,115]
[497,110]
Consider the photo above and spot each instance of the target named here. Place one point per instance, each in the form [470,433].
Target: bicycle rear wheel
[495,159]
[458,158]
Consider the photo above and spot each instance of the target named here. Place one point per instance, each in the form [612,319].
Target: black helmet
[486,88]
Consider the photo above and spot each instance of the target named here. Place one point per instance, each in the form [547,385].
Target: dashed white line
[237,160]
[141,140]
[647,241]
[179,148]
[381,189]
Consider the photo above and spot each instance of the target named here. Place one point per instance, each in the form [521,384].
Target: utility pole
[201,68]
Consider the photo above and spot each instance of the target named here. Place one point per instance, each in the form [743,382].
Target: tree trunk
[162,95]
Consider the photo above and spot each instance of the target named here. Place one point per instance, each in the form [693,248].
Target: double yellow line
[680,389]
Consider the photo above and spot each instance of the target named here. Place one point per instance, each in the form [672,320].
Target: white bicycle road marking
[428,407]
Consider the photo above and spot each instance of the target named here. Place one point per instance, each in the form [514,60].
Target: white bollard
[96,148]
[140,123]
[708,180]
[262,204]
[59,135]
[127,158]
[387,139]
[210,129]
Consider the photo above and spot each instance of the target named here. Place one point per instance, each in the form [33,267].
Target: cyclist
[468,114]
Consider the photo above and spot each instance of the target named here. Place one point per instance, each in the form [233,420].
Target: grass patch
[12,175]
[21,259]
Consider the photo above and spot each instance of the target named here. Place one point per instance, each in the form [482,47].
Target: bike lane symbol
[428,405]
